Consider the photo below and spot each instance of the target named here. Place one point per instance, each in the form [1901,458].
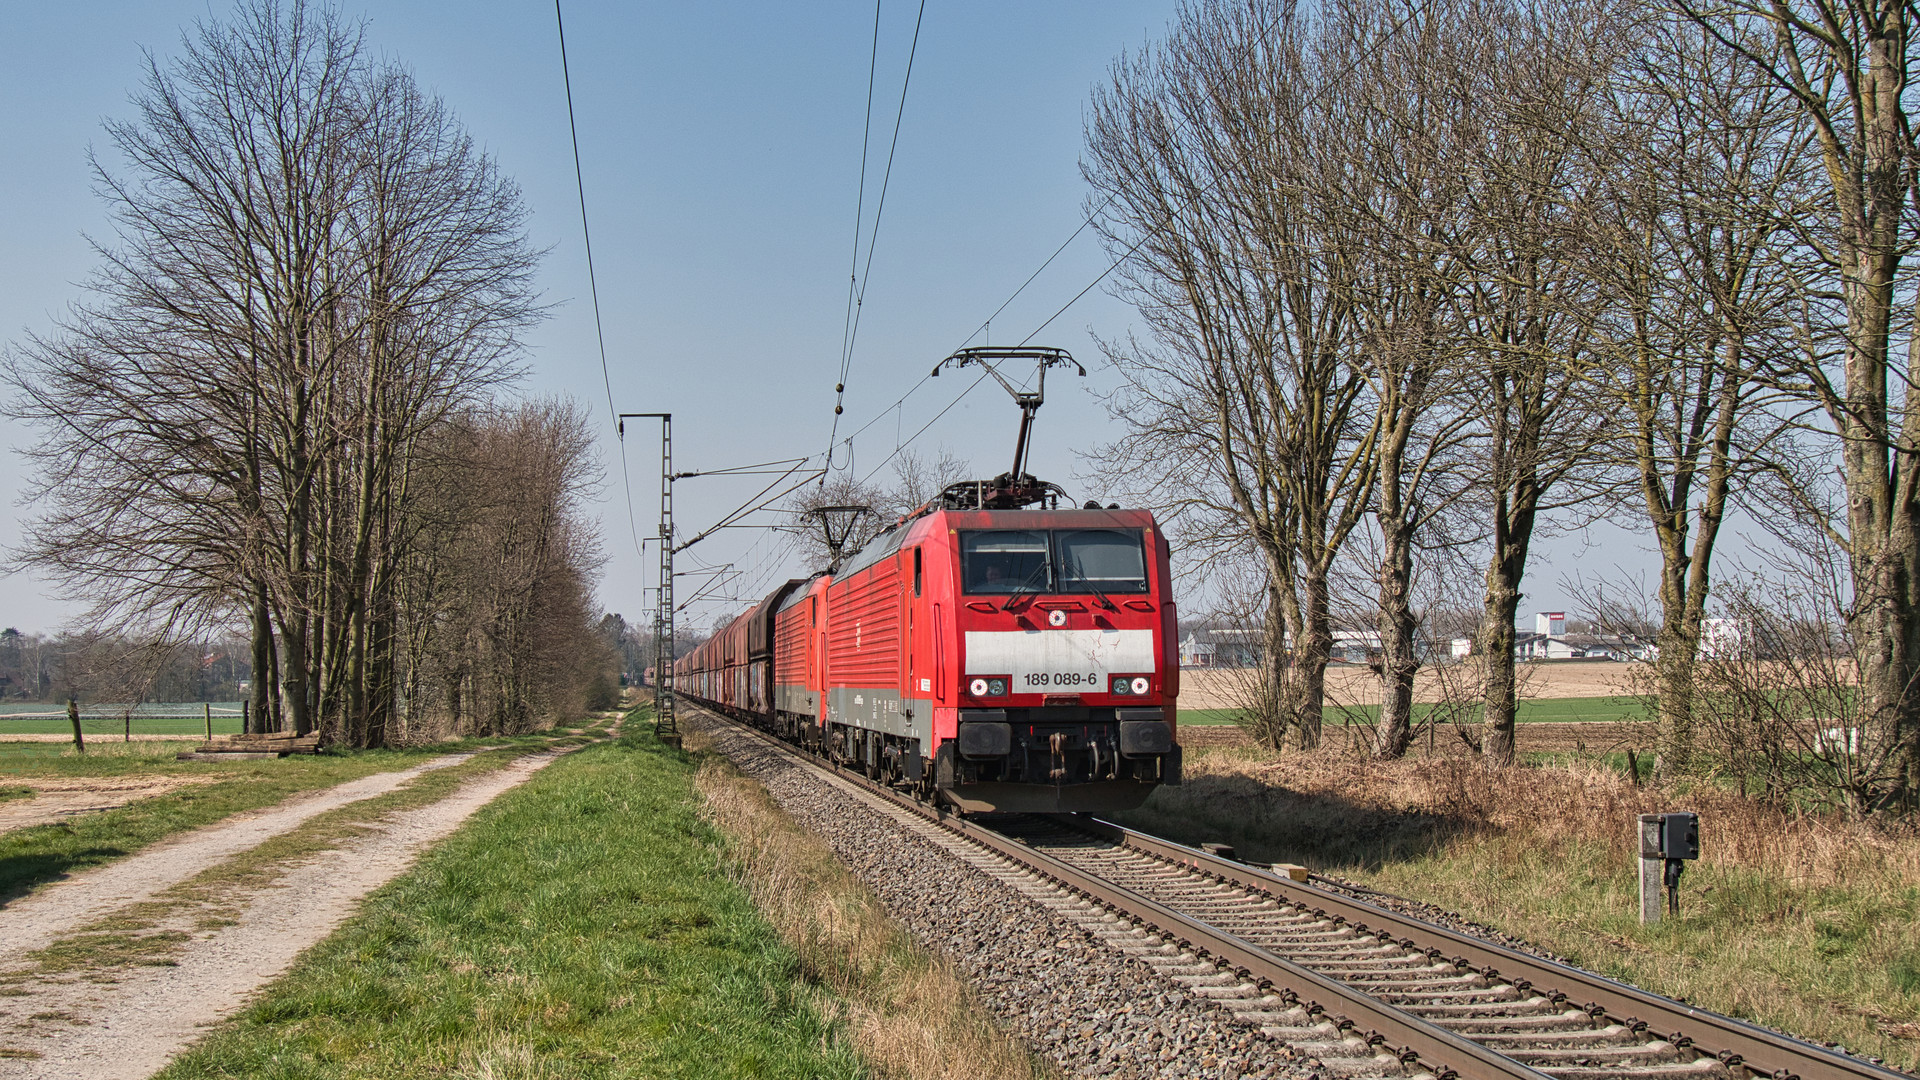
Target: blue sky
[721,151]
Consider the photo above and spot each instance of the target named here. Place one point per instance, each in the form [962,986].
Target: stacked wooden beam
[276,744]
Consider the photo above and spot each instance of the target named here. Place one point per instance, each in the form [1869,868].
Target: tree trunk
[1272,715]
[1399,662]
[1497,640]
[1309,662]
[260,693]
[1679,640]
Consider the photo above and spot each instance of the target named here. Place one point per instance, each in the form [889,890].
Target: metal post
[656,652]
[665,724]
[1653,868]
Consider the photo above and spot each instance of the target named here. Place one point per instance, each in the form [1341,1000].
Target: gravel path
[127,1023]
[1092,993]
[35,920]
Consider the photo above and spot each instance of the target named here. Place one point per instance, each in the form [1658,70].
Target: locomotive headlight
[978,688]
[996,688]
[1122,686]
[1140,685]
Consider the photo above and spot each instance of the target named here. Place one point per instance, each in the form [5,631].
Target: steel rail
[1439,1049]
[1442,1052]
[1734,1042]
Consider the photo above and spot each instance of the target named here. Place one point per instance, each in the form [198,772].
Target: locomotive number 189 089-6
[1062,678]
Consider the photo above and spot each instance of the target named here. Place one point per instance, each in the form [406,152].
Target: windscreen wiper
[1081,569]
[1102,597]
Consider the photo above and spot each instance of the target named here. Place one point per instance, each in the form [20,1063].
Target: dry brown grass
[909,1014]
[1808,923]
[1353,811]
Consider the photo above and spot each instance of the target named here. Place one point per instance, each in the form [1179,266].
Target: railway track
[1367,991]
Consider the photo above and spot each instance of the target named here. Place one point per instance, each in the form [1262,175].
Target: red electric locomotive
[990,649]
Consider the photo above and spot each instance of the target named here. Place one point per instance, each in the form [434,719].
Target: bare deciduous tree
[314,268]
[1222,199]
[1704,166]
[1847,69]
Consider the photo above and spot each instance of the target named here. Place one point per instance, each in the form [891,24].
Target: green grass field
[584,924]
[99,728]
[185,719]
[1531,711]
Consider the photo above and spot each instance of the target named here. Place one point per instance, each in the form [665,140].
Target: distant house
[1726,639]
[1244,648]
[1221,648]
[1550,641]
[1354,646]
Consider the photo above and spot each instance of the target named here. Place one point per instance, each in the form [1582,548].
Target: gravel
[1091,1009]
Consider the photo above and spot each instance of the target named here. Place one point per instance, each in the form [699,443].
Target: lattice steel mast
[665,723]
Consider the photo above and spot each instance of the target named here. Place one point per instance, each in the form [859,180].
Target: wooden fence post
[208,707]
[73,714]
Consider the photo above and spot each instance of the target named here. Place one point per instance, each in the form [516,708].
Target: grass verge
[1809,924]
[910,1015]
[583,924]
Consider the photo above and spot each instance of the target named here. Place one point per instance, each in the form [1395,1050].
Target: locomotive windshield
[1007,561]
[1100,560]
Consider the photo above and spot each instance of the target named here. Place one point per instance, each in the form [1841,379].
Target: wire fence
[185,719]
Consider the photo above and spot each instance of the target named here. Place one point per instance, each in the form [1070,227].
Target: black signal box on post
[1667,843]
[1680,835]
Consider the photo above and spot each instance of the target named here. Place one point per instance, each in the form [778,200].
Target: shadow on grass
[19,874]
[1267,822]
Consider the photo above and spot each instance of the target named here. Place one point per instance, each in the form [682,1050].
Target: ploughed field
[1353,684]
[1566,707]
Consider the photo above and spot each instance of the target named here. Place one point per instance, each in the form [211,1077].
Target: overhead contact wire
[593,285]
[1111,267]
[859,218]
[865,276]
[886,179]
